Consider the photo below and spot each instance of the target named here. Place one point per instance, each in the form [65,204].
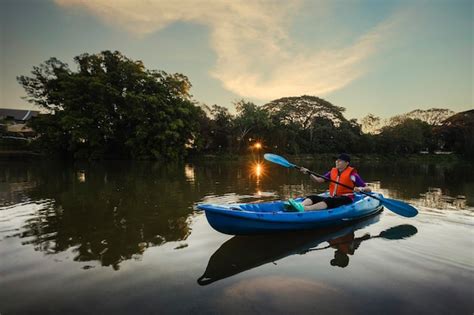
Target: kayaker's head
[340,259]
[342,161]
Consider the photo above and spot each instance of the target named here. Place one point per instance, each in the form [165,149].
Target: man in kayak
[338,195]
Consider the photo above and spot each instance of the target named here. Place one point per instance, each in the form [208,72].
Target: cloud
[256,58]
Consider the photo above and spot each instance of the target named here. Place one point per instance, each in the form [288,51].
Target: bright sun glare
[257,169]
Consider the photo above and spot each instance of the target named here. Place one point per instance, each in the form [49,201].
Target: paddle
[397,206]
[394,233]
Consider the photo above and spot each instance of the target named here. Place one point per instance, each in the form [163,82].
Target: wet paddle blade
[277,159]
[399,207]
[399,232]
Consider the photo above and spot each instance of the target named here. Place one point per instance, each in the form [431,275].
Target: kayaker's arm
[317,179]
[361,186]
[313,177]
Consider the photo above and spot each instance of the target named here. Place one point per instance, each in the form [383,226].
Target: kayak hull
[269,217]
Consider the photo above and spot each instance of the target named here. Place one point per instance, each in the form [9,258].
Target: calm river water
[125,238]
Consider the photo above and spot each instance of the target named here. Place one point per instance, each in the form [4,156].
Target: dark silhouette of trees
[457,133]
[409,136]
[111,106]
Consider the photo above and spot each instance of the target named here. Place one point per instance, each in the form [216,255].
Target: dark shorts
[332,202]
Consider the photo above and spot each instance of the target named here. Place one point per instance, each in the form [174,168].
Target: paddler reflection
[346,245]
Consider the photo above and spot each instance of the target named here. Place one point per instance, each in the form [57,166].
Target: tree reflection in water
[103,213]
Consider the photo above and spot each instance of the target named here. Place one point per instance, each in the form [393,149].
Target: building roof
[18,114]
[19,128]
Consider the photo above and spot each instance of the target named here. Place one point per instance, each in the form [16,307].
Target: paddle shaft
[336,182]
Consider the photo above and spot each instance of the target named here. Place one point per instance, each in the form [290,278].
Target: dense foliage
[113,107]
[308,124]
[457,133]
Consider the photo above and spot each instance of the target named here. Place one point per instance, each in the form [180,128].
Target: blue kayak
[269,217]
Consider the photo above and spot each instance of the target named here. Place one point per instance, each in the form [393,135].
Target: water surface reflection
[101,212]
[111,212]
[242,253]
[137,220]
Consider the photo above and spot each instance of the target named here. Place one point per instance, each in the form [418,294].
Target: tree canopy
[111,106]
[457,133]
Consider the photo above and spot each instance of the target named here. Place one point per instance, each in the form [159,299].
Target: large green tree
[310,124]
[251,122]
[112,106]
[409,136]
[222,125]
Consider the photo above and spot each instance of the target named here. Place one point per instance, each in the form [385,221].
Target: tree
[457,133]
[371,124]
[303,110]
[112,106]
[432,116]
[410,136]
[313,125]
[221,130]
[251,122]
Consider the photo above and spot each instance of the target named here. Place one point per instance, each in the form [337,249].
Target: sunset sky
[374,56]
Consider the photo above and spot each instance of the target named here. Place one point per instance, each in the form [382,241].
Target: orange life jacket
[343,178]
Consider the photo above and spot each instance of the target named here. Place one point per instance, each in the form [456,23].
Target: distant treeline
[113,107]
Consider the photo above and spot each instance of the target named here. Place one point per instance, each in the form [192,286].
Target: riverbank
[19,154]
[434,158]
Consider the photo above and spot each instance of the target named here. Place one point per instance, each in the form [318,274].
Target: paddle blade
[277,159]
[399,232]
[399,207]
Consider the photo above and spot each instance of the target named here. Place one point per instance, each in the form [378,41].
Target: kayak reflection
[241,253]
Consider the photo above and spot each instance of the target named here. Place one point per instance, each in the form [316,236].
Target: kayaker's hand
[362,189]
[304,170]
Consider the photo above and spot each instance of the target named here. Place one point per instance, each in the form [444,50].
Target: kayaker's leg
[317,206]
[337,201]
[329,203]
[312,199]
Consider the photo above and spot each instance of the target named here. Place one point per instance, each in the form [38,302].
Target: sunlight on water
[257,171]
[81,176]
[189,173]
